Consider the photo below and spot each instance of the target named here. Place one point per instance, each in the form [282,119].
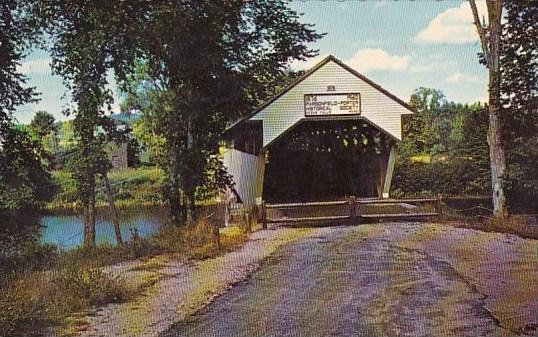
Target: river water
[66,231]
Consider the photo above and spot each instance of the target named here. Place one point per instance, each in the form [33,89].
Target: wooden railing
[351,209]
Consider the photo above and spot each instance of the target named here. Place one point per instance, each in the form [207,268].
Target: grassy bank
[139,186]
[522,226]
[42,287]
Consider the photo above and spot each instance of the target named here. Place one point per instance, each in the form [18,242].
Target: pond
[66,230]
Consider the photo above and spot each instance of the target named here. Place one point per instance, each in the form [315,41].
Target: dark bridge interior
[326,160]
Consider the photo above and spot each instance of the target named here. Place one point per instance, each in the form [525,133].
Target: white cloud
[366,60]
[454,25]
[462,78]
[39,66]
[305,65]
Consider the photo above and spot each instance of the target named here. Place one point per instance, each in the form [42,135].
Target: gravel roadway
[382,280]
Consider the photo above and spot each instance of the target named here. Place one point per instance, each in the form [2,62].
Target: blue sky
[401,45]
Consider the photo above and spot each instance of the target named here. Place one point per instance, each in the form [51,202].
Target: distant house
[118,152]
[118,155]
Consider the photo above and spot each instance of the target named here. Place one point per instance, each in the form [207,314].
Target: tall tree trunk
[112,208]
[190,204]
[496,147]
[174,193]
[188,185]
[490,39]
[89,219]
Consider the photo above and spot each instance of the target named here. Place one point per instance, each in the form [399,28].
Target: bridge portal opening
[320,160]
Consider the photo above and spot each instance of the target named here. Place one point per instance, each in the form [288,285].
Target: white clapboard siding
[288,109]
[247,172]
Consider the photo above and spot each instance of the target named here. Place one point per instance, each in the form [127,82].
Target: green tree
[66,136]
[45,131]
[519,66]
[89,39]
[42,124]
[24,182]
[471,146]
[210,62]
[453,139]
[422,130]
[24,185]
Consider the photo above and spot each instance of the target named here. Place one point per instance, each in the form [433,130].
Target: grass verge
[37,293]
[521,226]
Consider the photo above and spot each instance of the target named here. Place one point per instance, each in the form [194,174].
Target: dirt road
[383,280]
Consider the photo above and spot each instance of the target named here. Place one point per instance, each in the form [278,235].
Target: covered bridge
[330,134]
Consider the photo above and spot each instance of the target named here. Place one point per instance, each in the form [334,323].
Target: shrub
[174,239]
[30,300]
[82,287]
[453,176]
[23,306]
[30,256]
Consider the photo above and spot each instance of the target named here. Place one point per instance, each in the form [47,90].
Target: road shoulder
[175,289]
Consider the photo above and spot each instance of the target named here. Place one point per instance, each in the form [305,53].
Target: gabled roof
[306,75]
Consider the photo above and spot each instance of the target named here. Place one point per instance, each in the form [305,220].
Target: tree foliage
[519,66]
[44,130]
[24,182]
[423,130]
[444,147]
[42,124]
[13,31]
[24,185]
[207,63]
[88,39]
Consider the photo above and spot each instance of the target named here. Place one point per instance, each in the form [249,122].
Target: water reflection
[66,231]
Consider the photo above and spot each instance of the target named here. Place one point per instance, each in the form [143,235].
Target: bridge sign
[332,104]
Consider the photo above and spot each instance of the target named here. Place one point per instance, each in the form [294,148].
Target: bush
[107,254]
[31,256]
[22,304]
[38,286]
[445,176]
[30,300]
[174,239]
[83,287]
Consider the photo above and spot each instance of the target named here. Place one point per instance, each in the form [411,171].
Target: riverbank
[171,288]
[133,187]
[42,287]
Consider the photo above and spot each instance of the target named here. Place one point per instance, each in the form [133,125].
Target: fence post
[263,215]
[352,207]
[248,219]
[216,235]
[439,205]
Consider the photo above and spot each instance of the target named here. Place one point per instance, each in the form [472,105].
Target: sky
[401,45]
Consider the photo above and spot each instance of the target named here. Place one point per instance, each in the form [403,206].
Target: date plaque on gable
[332,104]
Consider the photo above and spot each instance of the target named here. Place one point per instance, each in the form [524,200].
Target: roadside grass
[35,295]
[516,225]
[32,300]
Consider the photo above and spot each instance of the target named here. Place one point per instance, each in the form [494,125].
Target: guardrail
[351,209]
